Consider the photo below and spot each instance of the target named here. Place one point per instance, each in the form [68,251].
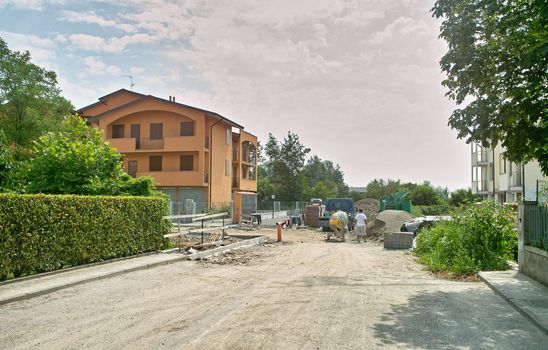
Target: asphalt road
[297,295]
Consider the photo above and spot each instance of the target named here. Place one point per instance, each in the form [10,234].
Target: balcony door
[135,133]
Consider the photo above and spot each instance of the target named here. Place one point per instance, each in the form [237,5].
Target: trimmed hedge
[47,232]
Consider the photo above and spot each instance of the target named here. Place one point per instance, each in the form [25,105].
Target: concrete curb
[91,279]
[78,267]
[514,303]
[169,259]
[220,250]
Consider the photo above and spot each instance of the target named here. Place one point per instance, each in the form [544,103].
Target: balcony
[516,180]
[123,145]
[178,143]
[176,178]
[146,143]
[480,186]
[481,158]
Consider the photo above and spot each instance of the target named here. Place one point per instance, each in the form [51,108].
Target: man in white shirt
[361,225]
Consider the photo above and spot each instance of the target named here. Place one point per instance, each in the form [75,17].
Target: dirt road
[304,294]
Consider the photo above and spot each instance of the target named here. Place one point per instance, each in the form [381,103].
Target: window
[156,131]
[227,167]
[228,134]
[187,163]
[155,163]
[117,131]
[502,164]
[187,129]
[132,168]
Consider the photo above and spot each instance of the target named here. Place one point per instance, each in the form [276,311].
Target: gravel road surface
[302,294]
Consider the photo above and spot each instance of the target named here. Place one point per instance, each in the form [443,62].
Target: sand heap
[388,220]
[368,205]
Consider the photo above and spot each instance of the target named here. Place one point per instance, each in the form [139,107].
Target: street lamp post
[273,197]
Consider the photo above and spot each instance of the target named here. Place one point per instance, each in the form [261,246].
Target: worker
[361,225]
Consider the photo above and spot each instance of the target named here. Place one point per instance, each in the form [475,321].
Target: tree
[76,160]
[496,69]
[463,196]
[321,190]
[30,100]
[317,170]
[424,195]
[380,187]
[285,162]
[7,163]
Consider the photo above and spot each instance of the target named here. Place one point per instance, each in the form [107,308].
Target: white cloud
[136,70]
[92,18]
[96,67]
[37,5]
[42,50]
[110,45]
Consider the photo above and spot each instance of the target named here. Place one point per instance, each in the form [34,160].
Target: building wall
[503,180]
[208,179]
[221,154]
[532,174]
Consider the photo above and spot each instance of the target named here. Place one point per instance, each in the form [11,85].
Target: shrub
[439,209]
[424,195]
[47,232]
[483,238]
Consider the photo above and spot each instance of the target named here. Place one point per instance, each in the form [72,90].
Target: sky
[357,80]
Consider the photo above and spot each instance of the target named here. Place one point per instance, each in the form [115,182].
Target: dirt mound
[388,220]
[368,205]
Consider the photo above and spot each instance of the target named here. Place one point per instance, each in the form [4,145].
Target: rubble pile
[388,220]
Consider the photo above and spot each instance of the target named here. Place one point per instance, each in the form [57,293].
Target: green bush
[483,238]
[439,209]
[47,232]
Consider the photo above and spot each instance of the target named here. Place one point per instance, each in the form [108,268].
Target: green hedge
[47,232]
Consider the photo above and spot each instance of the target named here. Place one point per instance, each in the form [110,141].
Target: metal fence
[279,205]
[190,207]
[536,226]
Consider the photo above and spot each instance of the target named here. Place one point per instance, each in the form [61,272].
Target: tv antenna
[131,83]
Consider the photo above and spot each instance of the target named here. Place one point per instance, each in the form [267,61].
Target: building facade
[495,177]
[191,153]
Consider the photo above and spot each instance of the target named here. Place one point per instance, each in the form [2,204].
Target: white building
[493,176]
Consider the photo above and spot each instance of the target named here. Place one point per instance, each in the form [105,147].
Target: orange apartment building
[191,153]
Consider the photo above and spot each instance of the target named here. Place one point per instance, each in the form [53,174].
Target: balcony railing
[147,143]
[481,186]
[481,156]
[515,180]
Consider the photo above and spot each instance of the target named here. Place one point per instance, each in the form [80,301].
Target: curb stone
[25,296]
[169,260]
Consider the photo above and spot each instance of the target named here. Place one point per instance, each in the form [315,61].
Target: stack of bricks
[398,240]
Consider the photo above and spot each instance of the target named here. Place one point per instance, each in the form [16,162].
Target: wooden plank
[195,230]
[207,217]
[173,217]
[209,229]
[171,235]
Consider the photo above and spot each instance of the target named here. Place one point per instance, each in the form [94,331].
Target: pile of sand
[388,220]
[368,205]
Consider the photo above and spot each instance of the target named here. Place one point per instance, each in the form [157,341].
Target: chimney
[170,98]
[173,98]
